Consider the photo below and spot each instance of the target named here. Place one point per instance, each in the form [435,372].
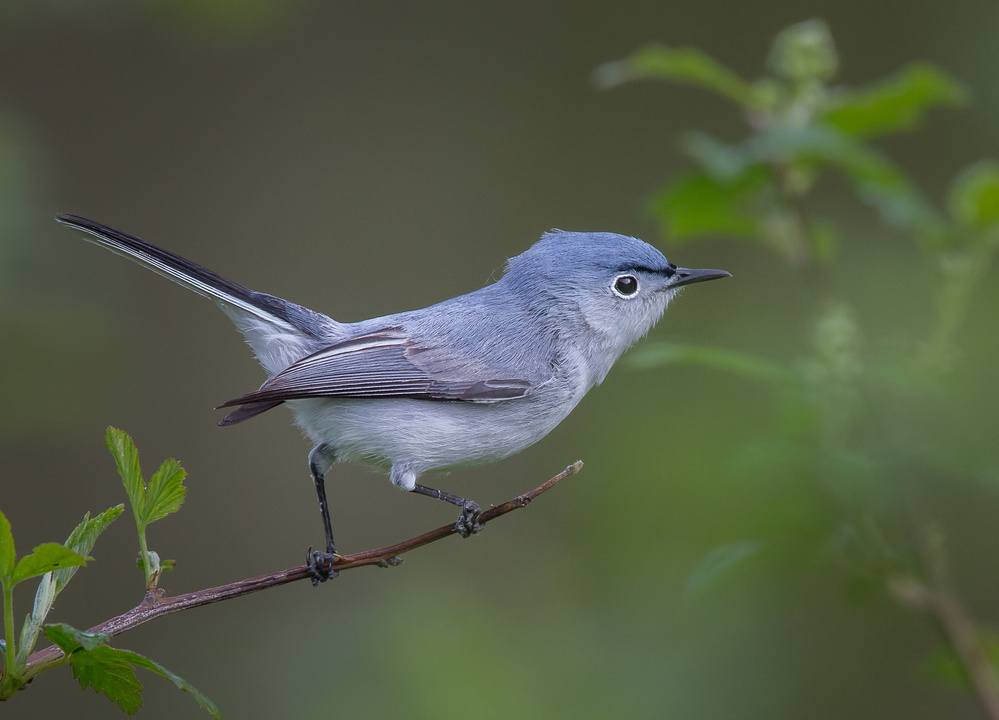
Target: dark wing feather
[385,363]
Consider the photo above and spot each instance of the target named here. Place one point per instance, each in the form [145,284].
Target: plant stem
[144,553]
[10,679]
[938,598]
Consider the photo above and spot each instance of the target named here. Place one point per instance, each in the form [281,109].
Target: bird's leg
[468,521]
[321,563]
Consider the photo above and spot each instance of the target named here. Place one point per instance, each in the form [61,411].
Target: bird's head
[616,285]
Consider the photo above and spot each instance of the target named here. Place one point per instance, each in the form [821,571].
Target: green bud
[804,52]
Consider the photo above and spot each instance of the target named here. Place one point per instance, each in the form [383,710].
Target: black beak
[686,276]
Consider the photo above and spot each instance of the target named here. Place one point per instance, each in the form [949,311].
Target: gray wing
[380,364]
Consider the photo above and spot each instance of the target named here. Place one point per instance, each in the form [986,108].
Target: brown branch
[938,598]
[156,605]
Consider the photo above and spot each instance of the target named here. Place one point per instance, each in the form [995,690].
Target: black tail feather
[295,315]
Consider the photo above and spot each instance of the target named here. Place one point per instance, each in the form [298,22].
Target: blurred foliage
[801,127]
[845,418]
[945,666]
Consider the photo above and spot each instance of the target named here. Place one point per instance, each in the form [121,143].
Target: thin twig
[939,599]
[154,606]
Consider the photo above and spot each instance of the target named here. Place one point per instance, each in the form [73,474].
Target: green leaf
[180,682]
[974,195]
[105,670]
[897,103]
[82,540]
[725,163]
[45,558]
[688,65]
[155,567]
[165,493]
[699,204]
[69,639]
[719,560]
[7,553]
[653,354]
[876,179]
[44,597]
[109,670]
[126,457]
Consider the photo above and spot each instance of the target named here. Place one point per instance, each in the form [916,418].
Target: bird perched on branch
[469,380]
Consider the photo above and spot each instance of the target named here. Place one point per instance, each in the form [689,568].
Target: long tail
[195,277]
[279,331]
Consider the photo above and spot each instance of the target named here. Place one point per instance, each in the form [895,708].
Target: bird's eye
[625,286]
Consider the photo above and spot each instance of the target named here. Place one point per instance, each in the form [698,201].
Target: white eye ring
[625,286]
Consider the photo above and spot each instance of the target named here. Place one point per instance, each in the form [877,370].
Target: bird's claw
[321,564]
[468,522]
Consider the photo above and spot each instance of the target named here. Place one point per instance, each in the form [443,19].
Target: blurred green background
[366,158]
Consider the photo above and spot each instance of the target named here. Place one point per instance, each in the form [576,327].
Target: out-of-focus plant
[838,423]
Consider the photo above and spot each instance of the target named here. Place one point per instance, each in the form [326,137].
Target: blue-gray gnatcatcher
[470,380]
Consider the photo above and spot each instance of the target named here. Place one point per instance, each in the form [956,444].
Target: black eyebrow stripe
[670,269]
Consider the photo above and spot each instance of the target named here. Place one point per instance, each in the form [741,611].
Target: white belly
[425,434]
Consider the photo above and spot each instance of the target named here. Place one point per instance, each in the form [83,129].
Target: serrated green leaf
[82,540]
[126,458]
[165,492]
[974,195]
[45,558]
[107,671]
[180,682]
[718,560]
[897,103]
[69,639]
[688,65]
[698,204]
[7,552]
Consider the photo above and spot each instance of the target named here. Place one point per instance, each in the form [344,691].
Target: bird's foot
[321,564]
[468,522]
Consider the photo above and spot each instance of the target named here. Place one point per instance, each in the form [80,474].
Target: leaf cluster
[801,126]
[163,495]
[95,663]
[56,564]
[834,425]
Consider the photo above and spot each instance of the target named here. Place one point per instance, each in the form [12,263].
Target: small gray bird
[466,381]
